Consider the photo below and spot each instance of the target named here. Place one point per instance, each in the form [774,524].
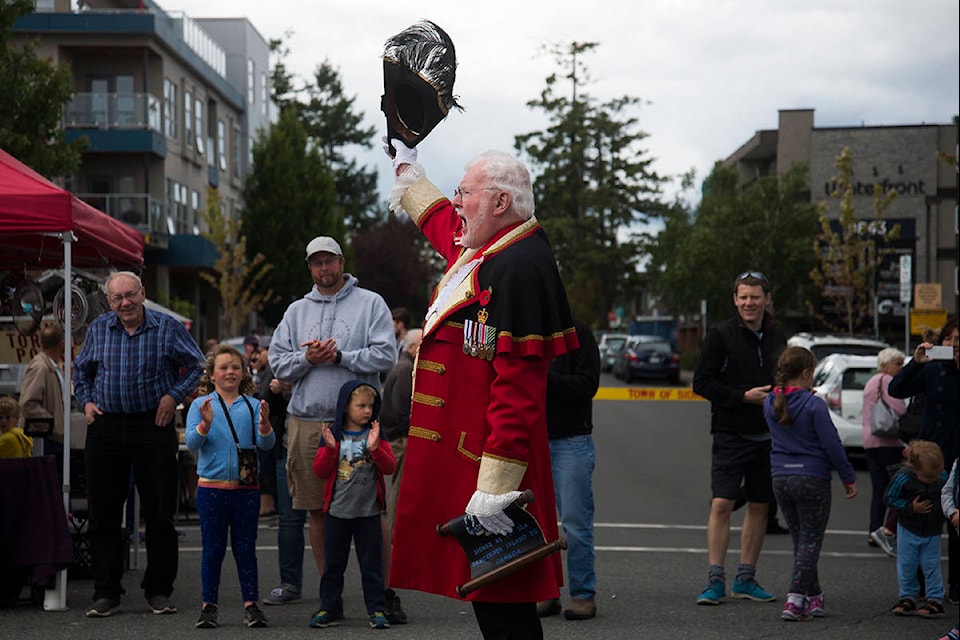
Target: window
[222,144]
[235,155]
[198,123]
[251,82]
[188,118]
[169,108]
[263,94]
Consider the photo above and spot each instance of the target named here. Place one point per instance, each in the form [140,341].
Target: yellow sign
[644,393]
[921,319]
[927,295]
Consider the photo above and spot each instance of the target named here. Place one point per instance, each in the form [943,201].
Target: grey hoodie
[360,322]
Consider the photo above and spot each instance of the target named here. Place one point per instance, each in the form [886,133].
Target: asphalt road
[652,492]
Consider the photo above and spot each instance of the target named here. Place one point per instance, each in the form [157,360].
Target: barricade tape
[645,393]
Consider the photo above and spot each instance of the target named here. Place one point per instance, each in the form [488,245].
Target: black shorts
[738,461]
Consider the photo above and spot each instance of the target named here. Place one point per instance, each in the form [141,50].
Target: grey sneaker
[282,595]
[887,543]
[161,604]
[104,608]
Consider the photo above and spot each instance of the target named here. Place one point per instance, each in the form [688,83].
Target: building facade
[906,159]
[171,112]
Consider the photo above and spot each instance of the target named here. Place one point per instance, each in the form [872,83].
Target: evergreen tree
[34,92]
[764,226]
[289,199]
[592,182]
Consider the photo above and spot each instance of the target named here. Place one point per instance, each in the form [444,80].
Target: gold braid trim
[499,475]
[426,434]
[420,198]
[430,365]
[423,398]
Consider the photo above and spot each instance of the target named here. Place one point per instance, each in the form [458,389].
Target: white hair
[116,274]
[889,355]
[508,174]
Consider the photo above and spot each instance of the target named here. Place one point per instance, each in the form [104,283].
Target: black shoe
[395,613]
[774,529]
[548,608]
[954,596]
[208,617]
[253,616]
[104,608]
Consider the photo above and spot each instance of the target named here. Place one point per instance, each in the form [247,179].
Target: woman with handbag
[880,420]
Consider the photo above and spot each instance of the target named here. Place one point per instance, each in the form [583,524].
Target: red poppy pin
[485,296]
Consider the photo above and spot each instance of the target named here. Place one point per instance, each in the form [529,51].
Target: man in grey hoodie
[335,333]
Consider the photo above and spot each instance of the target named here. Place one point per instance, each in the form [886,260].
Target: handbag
[884,421]
[246,458]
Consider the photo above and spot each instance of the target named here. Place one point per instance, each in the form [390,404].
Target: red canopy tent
[33,211]
[44,226]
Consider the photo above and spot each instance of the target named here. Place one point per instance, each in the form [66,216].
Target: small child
[804,449]
[353,461]
[915,494]
[14,443]
[224,431]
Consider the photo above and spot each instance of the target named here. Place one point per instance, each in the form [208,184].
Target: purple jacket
[809,445]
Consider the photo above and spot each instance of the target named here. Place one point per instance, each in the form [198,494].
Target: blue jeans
[573,460]
[290,523]
[915,551]
[233,511]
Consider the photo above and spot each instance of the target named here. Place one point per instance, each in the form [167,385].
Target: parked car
[610,345]
[838,380]
[647,357]
[823,345]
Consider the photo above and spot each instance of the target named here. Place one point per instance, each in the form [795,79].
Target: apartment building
[903,158]
[171,107]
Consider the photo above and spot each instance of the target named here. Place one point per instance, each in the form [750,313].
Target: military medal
[479,338]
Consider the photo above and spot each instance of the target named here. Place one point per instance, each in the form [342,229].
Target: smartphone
[940,353]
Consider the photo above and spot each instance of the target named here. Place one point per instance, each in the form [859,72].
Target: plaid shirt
[123,373]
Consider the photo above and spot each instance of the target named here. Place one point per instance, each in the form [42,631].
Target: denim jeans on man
[573,460]
[915,551]
[290,523]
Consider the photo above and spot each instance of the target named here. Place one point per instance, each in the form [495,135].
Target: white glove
[404,154]
[488,509]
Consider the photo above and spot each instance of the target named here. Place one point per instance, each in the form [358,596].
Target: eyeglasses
[323,262]
[751,274]
[463,193]
[120,297]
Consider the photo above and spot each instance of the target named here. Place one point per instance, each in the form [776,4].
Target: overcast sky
[709,73]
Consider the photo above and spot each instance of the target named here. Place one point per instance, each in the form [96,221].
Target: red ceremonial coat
[466,407]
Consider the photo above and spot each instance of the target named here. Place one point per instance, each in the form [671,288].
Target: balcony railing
[138,210]
[131,111]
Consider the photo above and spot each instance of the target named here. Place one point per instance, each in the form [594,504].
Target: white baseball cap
[323,243]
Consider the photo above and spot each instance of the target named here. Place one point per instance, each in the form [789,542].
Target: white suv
[823,345]
[838,380]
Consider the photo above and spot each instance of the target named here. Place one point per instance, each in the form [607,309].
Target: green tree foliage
[845,275]
[289,199]
[239,281]
[767,226]
[34,92]
[332,125]
[593,181]
[395,260]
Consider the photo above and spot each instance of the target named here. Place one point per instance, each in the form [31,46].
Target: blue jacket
[217,451]
[809,445]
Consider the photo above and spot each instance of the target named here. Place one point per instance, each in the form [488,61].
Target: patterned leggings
[805,504]
[235,512]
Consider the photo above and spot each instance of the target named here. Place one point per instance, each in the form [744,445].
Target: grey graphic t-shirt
[355,491]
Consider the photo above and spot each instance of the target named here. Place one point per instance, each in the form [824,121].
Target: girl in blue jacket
[805,448]
[224,428]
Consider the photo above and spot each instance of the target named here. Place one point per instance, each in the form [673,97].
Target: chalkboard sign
[489,552]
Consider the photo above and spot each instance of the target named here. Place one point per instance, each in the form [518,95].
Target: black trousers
[508,620]
[115,443]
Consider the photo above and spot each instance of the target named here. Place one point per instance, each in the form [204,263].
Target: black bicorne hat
[419,67]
